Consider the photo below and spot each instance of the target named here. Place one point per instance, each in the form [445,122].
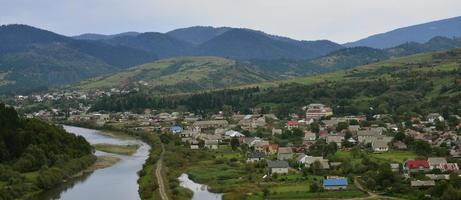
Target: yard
[394,156]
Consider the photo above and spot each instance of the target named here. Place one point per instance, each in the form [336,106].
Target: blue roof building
[176,129]
[335,183]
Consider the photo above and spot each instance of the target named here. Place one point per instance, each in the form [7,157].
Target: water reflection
[200,191]
[116,182]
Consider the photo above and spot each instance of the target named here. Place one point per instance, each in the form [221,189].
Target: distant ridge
[95,36]
[420,33]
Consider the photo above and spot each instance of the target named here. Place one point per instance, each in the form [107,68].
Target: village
[318,143]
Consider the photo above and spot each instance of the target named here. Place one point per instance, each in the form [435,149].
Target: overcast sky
[336,20]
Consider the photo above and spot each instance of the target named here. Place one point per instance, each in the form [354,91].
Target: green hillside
[183,74]
[406,86]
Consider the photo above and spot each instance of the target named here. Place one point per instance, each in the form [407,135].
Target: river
[200,191]
[116,182]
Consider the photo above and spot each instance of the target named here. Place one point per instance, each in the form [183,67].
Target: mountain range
[420,33]
[32,58]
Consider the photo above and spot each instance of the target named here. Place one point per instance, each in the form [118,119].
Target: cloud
[337,20]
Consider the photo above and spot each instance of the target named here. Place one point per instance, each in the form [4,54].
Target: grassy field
[394,156]
[117,149]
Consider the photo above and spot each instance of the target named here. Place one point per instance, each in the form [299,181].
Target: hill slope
[197,34]
[418,33]
[181,75]
[248,44]
[404,87]
[32,58]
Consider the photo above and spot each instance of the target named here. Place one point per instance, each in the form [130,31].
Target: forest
[36,156]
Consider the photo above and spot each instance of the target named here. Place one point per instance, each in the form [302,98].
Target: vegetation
[405,87]
[117,149]
[36,156]
[181,75]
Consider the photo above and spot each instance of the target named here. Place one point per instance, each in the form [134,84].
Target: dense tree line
[30,145]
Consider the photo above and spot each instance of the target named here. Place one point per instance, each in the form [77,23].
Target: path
[158,173]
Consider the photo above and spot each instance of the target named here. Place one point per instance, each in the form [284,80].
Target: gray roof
[255,154]
[286,150]
[277,164]
[436,160]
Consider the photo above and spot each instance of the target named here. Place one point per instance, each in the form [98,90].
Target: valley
[209,113]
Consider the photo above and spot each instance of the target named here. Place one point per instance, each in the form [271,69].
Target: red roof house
[416,165]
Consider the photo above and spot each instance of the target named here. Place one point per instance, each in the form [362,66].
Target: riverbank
[127,150]
[148,187]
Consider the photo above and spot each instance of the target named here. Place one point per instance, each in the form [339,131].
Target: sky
[337,20]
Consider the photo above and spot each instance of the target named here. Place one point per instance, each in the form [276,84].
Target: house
[365,136]
[309,160]
[335,139]
[380,146]
[395,167]
[255,156]
[419,183]
[284,153]
[271,149]
[317,111]
[278,167]
[194,144]
[211,124]
[416,166]
[292,124]
[434,162]
[353,128]
[399,145]
[335,184]
[309,136]
[276,131]
[232,134]
[433,117]
[438,176]
[188,134]
[448,167]
[211,144]
[176,129]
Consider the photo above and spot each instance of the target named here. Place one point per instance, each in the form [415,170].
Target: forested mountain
[94,36]
[160,44]
[420,33]
[197,34]
[183,74]
[405,87]
[32,58]
[235,43]
[45,151]
[248,44]
[355,56]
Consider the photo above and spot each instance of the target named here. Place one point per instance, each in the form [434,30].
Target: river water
[200,191]
[113,183]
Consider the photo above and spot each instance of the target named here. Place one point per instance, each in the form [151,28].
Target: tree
[314,127]
[422,148]
[227,111]
[314,187]
[341,126]
[235,143]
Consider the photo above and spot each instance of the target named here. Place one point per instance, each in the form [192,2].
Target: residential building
[419,183]
[211,124]
[284,153]
[380,146]
[211,144]
[337,139]
[416,166]
[434,162]
[335,184]
[255,156]
[278,167]
[317,111]
[292,124]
